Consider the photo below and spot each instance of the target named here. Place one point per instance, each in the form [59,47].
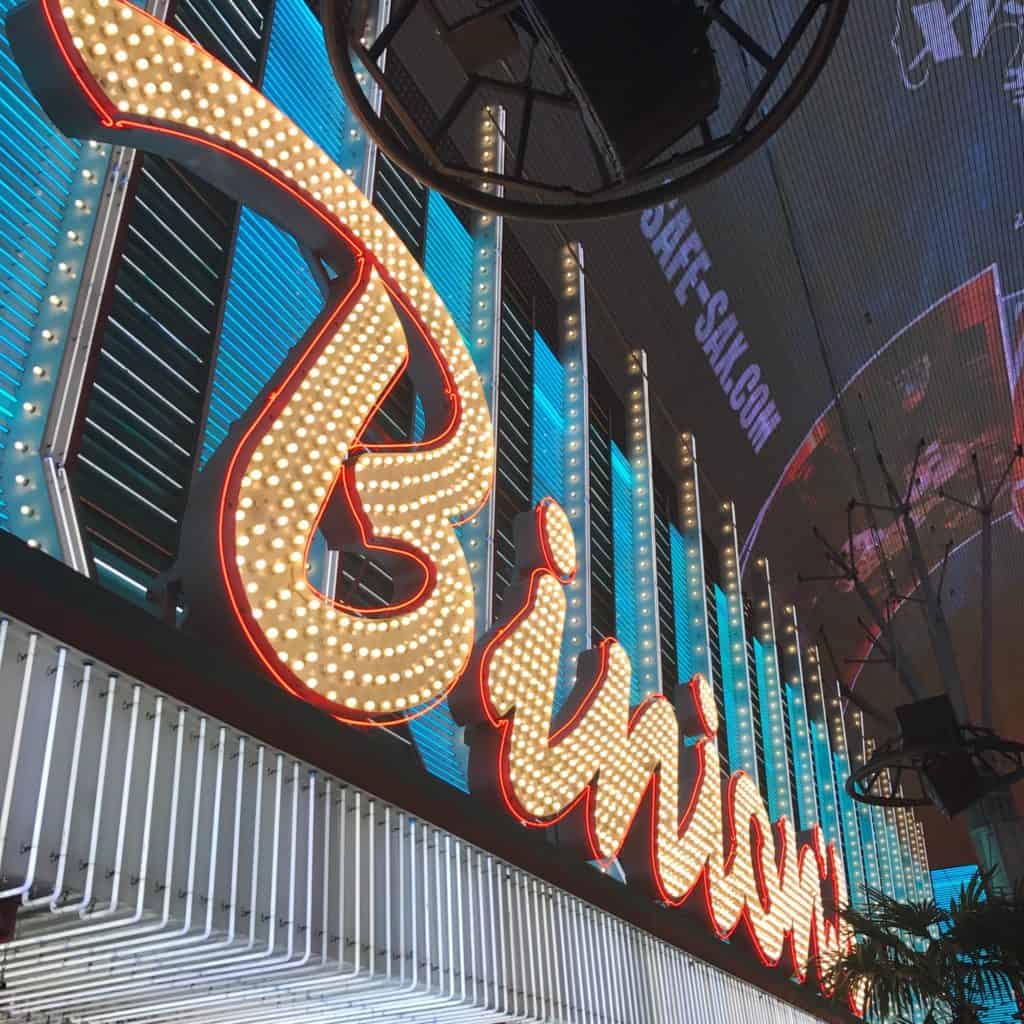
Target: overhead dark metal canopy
[715,103]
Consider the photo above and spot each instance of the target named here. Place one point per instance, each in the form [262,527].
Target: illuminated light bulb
[547,772]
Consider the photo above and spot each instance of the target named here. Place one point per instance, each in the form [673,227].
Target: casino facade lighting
[433,525]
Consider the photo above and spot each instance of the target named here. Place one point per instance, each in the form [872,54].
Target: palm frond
[917,958]
[987,926]
[892,977]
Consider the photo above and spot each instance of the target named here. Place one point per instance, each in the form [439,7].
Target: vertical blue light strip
[548,423]
[865,825]
[773,733]
[880,831]
[448,262]
[826,788]
[686,627]
[800,740]
[732,646]
[923,859]
[548,448]
[622,538]
[900,885]
[797,719]
[696,655]
[887,829]
[741,753]
[476,303]
[646,670]
[845,810]
[572,328]
[769,691]
[50,190]
[869,846]
[886,873]
[851,832]
[821,751]
[272,298]
[910,872]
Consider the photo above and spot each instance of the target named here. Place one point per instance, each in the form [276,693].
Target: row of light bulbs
[643,518]
[150,72]
[572,313]
[486,305]
[60,301]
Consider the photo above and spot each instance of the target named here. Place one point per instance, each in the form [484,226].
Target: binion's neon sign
[643,784]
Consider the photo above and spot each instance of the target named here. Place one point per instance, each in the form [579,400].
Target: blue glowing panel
[732,683]
[869,846]
[440,746]
[855,875]
[734,692]
[686,632]
[419,420]
[828,814]
[316,559]
[548,423]
[298,77]
[885,868]
[899,881]
[271,302]
[799,738]
[773,738]
[448,261]
[272,298]
[37,179]
[549,449]
[625,573]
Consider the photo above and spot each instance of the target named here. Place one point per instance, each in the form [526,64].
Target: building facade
[178,836]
